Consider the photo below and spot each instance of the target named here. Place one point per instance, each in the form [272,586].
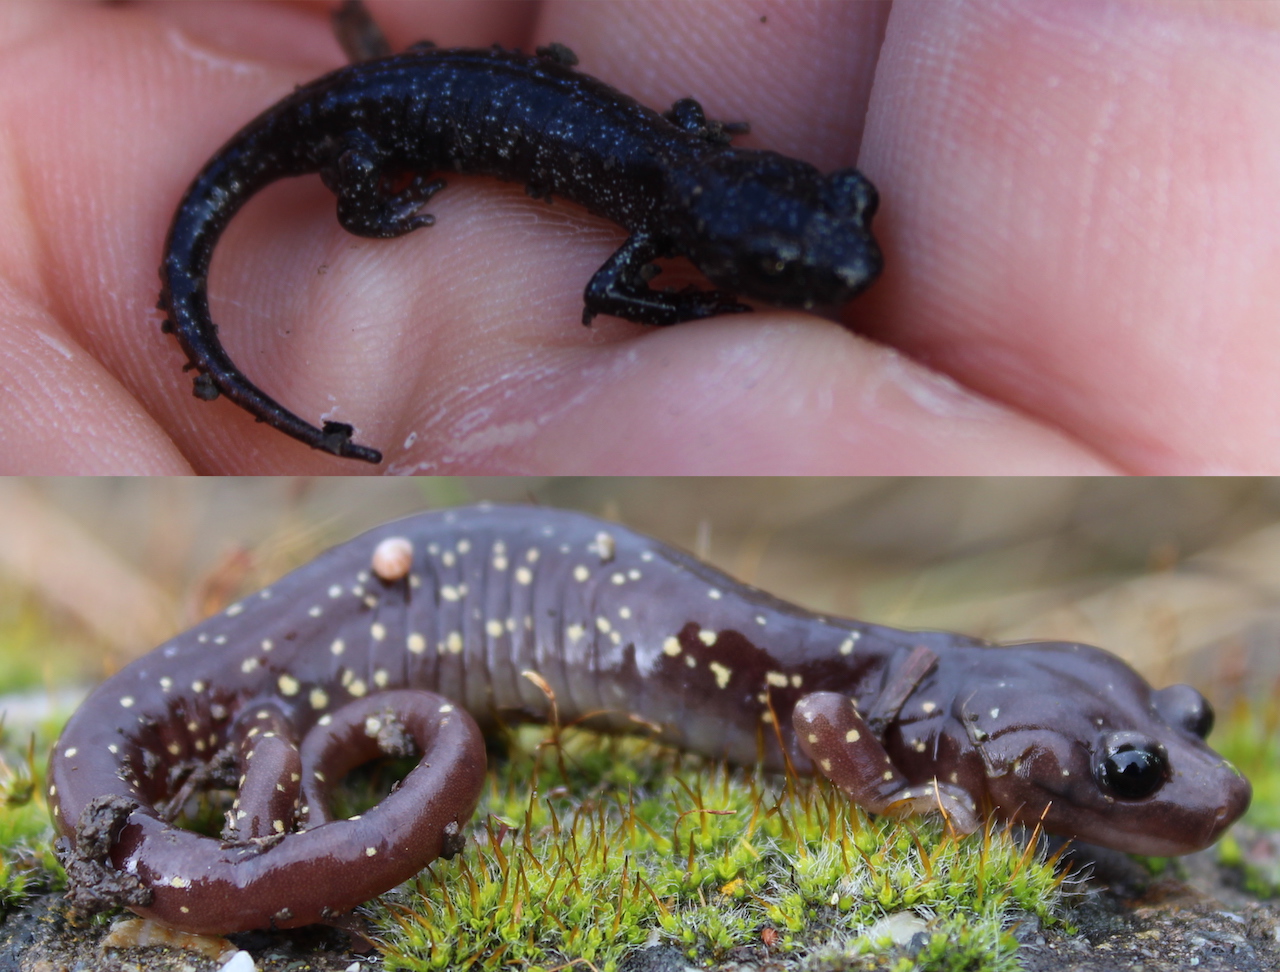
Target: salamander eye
[1183,706]
[1132,766]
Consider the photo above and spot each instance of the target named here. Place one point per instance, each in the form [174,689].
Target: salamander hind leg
[360,37]
[621,288]
[835,736]
[374,200]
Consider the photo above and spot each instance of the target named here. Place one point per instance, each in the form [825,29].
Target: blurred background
[1179,576]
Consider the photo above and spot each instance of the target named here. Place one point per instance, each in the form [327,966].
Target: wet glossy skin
[465,602]
[757,223]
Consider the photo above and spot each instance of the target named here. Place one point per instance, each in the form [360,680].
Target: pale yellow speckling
[722,674]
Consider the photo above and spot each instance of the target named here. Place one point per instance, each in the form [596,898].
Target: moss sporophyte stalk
[587,848]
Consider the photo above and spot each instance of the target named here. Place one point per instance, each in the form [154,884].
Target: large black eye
[1132,769]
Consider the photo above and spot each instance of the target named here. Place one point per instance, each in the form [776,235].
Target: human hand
[1078,213]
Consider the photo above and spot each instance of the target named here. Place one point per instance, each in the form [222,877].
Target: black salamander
[756,223]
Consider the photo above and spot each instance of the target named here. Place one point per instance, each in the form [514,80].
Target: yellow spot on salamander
[524,576]
[708,638]
[493,628]
[852,736]
[721,673]
[417,643]
[288,685]
[776,679]
[319,698]
[671,647]
[580,573]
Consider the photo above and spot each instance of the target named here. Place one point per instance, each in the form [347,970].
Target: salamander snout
[786,234]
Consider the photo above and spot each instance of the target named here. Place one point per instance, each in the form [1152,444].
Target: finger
[1079,204]
[63,413]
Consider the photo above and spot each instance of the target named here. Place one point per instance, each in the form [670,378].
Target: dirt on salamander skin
[1194,915]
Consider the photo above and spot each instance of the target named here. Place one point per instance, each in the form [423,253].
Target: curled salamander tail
[205,210]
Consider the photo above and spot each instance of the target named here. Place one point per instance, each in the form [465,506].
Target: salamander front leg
[621,288]
[831,732]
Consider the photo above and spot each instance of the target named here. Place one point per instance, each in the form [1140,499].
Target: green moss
[27,864]
[1250,738]
[587,850]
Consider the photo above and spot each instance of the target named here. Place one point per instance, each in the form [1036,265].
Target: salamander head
[775,229]
[1116,763]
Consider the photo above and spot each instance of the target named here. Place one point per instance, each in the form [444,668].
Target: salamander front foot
[832,733]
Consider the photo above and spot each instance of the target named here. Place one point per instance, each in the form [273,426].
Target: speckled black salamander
[756,223]
[337,661]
